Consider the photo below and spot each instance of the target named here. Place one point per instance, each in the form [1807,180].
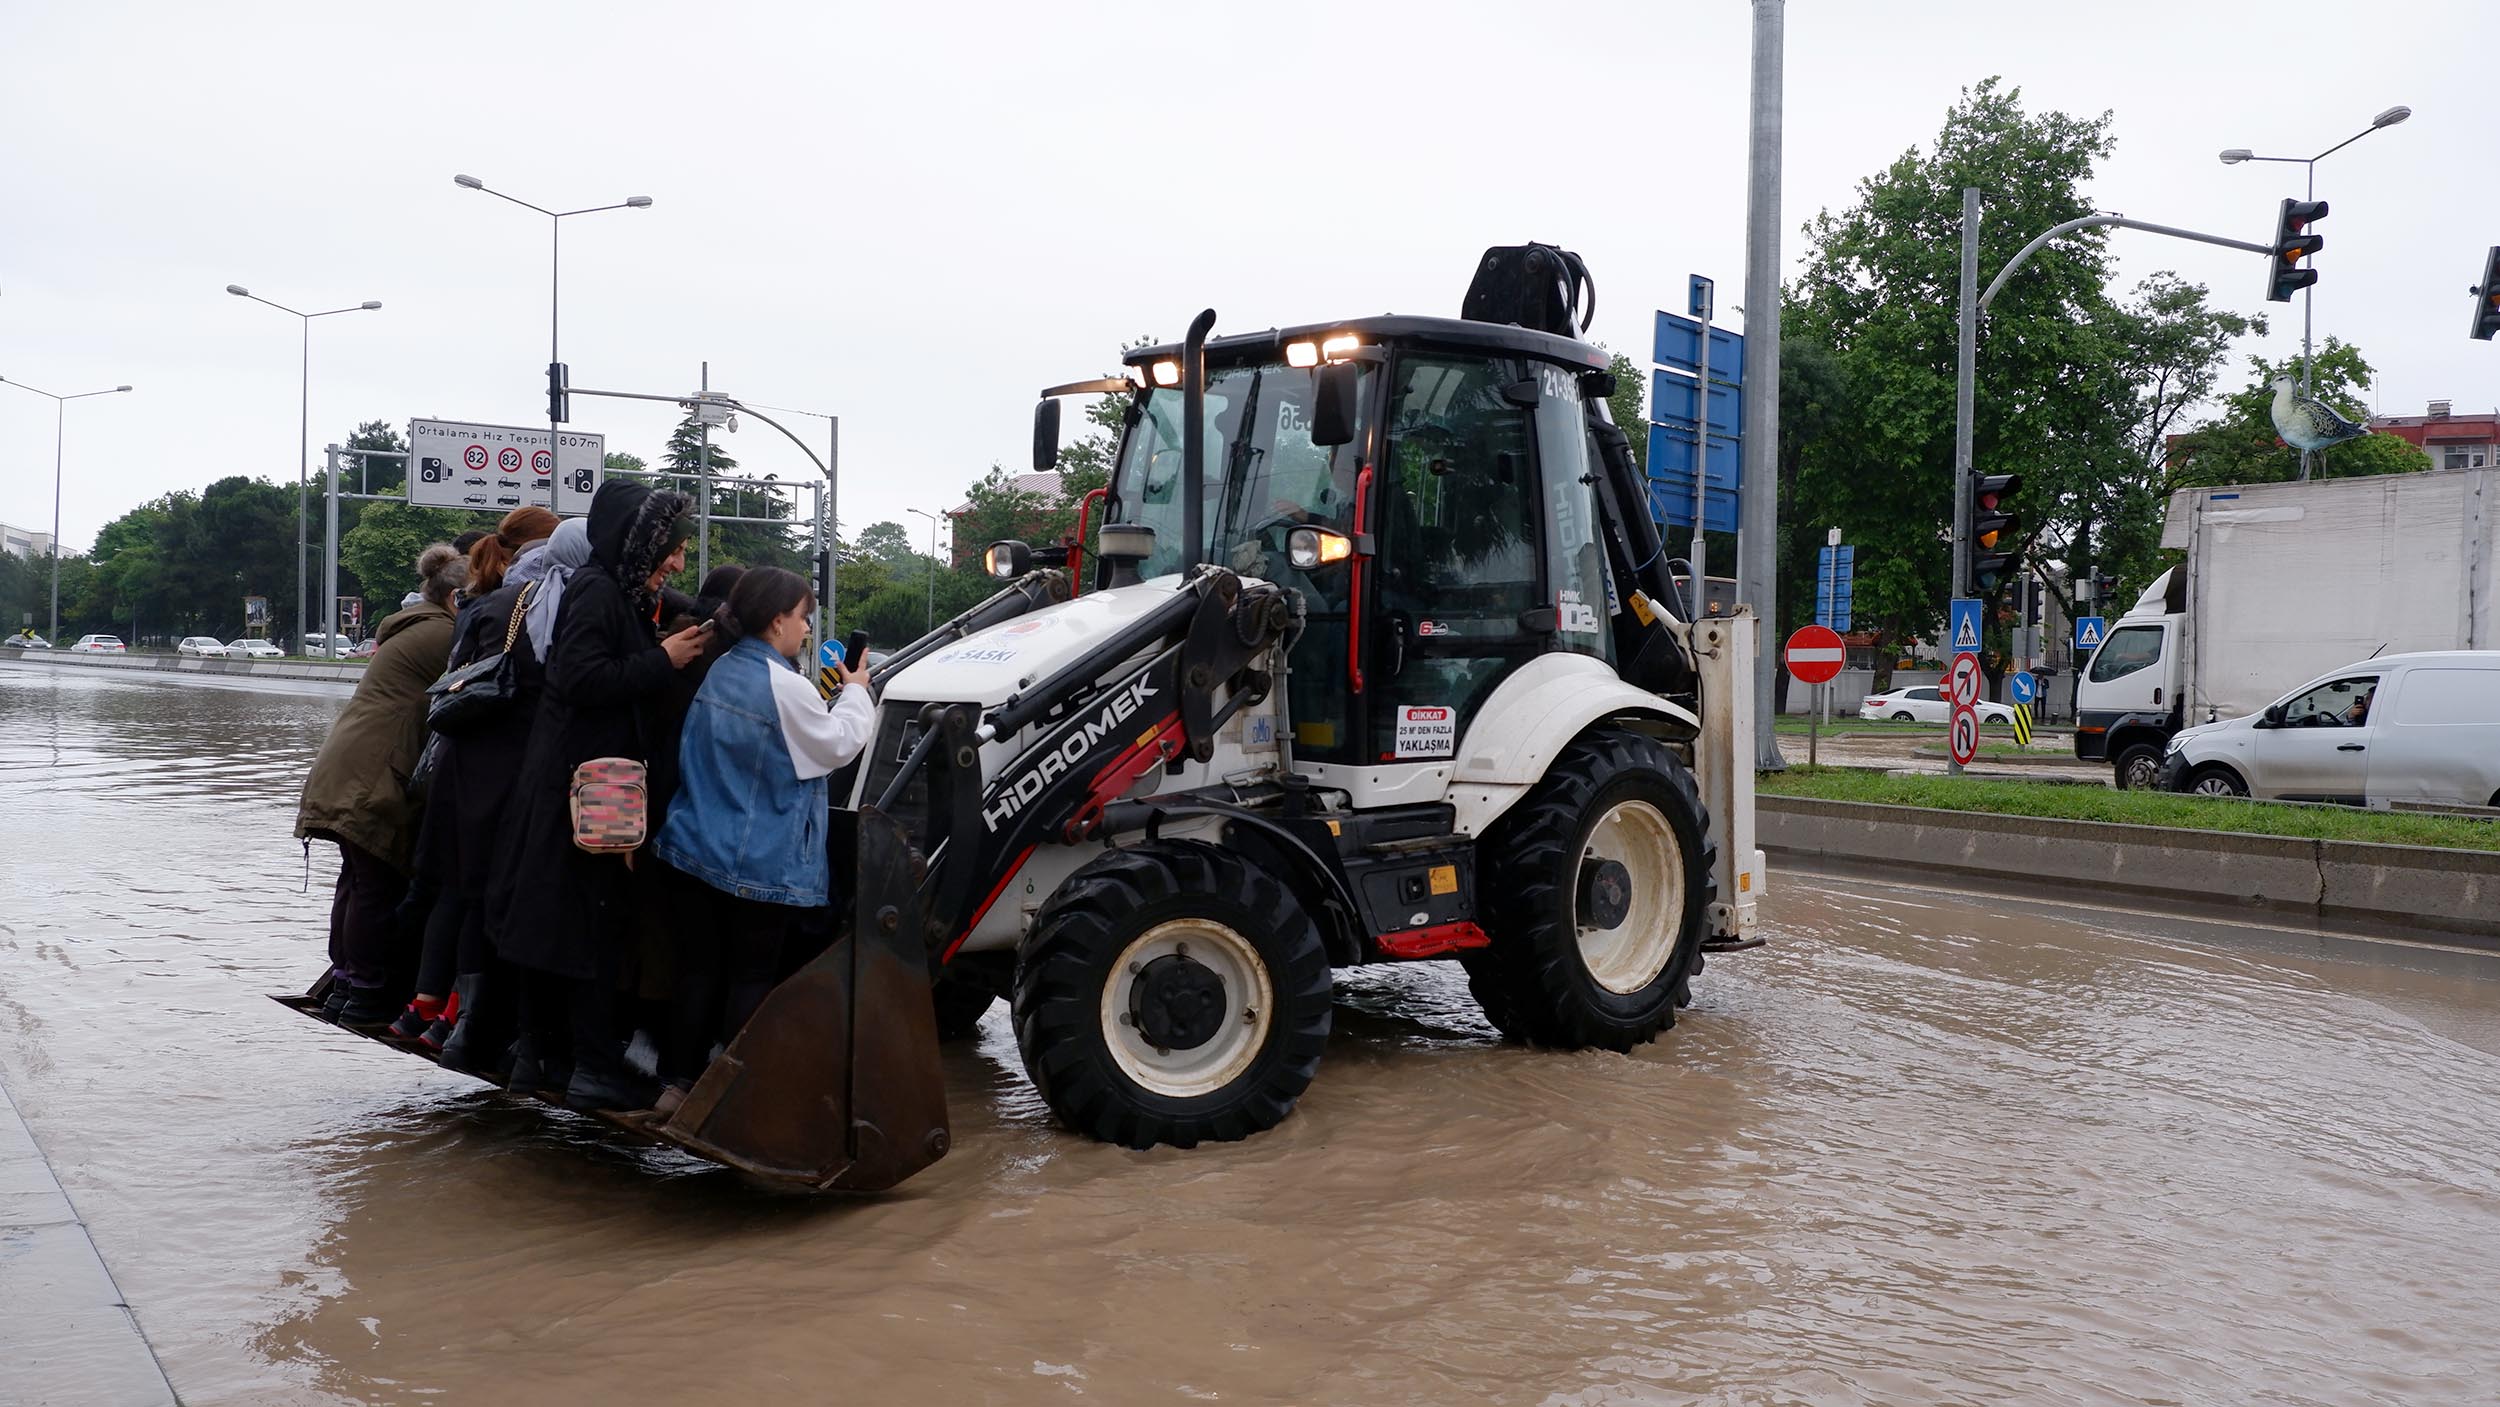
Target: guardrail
[348,671]
[2418,892]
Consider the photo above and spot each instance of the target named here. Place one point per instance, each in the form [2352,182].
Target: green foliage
[2240,446]
[382,552]
[2076,387]
[885,542]
[1626,404]
[2141,808]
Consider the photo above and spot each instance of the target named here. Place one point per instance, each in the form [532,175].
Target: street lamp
[833,503]
[2235,155]
[555,265]
[58,403]
[303,433]
[933,526]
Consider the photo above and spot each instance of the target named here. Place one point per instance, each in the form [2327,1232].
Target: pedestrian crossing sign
[1963,637]
[2088,632]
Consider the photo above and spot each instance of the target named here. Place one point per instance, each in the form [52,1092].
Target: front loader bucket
[834,1082]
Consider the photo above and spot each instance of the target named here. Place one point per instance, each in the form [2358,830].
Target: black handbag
[480,690]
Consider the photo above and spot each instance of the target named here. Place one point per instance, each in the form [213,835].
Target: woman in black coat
[552,908]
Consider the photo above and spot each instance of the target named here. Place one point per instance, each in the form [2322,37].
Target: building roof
[1045,483]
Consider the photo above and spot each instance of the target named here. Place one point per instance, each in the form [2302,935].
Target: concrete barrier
[2441,896]
[342,670]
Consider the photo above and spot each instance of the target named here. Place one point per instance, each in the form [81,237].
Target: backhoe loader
[1377,657]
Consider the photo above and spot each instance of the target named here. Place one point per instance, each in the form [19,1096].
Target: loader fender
[1532,716]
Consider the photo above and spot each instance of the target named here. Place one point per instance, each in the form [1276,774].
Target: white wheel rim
[1249,1001]
[1629,956]
[2214,786]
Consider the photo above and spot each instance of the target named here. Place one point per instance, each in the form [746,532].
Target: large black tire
[1535,982]
[2138,768]
[1122,925]
[960,1006]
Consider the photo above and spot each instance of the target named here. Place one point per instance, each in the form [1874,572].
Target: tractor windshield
[1263,475]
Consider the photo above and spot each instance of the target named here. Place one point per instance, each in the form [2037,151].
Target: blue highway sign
[1671,397]
[1834,592]
[1677,344]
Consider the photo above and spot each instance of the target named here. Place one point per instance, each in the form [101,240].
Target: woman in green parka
[357,793]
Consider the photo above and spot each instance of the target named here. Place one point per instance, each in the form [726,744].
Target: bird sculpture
[2308,424]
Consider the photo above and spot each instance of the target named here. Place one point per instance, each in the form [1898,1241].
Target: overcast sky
[918,215]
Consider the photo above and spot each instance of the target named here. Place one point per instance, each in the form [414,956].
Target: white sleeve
[821,737]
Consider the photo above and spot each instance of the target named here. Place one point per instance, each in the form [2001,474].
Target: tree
[885,542]
[383,548]
[1626,404]
[2073,386]
[2241,447]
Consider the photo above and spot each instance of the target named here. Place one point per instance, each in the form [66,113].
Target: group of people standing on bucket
[470,921]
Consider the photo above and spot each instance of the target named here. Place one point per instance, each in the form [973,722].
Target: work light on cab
[1312,548]
[1007,560]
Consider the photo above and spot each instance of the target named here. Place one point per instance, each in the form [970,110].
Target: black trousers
[729,956]
[364,925]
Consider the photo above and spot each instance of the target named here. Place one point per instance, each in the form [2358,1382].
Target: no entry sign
[1815,654]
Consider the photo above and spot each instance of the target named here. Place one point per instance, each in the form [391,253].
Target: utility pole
[1964,369]
[703,478]
[1760,519]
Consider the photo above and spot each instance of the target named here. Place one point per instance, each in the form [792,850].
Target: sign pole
[1700,307]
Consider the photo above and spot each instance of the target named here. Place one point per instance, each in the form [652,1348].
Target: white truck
[2281,583]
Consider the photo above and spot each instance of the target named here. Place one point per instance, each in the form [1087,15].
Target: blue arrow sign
[1962,634]
[2021,687]
[2090,631]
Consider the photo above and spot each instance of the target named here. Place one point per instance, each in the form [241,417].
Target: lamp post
[59,404]
[556,413]
[2236,155]
[933,526]
[833,507]
[303,434]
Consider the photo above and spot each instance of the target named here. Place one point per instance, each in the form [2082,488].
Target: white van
[2418,727]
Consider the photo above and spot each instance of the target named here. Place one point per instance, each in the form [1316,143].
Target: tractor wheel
[1597,895]
[1172,993]
[960,1006]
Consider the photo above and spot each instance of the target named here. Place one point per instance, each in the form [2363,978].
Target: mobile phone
[855,650]
[707,624]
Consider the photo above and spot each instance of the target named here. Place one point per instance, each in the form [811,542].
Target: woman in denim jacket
[748,820]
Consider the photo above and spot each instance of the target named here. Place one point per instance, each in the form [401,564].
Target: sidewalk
[66,1336]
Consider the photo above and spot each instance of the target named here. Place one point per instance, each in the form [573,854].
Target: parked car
[364,649]
[324,646]
[29,640]
[1926,703]
[98,645]
[253,649]
[205,646]
[2416,727]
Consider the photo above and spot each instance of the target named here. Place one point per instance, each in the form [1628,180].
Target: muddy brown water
[1924,1148]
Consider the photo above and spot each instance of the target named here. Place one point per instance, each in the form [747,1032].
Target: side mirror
[1333,403]
[2274,716]
[1046,436]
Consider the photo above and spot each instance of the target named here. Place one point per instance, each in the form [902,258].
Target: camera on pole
[2293,243]
[2487,298]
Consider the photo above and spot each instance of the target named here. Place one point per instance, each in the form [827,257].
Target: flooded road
[1921,1149]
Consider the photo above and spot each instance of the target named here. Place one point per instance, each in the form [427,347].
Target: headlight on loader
[1309,549]
[1007,560]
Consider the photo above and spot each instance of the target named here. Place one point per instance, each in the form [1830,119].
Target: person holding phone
[749,817]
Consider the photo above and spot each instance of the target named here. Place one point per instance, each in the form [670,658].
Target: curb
[66,1333]
[2446,897]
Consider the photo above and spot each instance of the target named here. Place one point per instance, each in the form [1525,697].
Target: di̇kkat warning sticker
[1426,730]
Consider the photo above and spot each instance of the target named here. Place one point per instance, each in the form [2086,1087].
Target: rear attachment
[834,1083]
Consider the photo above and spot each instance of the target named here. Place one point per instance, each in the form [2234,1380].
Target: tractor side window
[1460,523]
[1577,559]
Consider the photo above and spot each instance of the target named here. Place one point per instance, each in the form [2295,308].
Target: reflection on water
[1916,1151]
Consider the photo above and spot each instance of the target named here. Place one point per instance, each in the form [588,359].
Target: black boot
[369,1006]
[607,1082]
[532,1074]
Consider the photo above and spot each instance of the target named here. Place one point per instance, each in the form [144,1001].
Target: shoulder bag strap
[520,605]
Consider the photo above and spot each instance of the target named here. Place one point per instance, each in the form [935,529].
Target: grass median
[2135,808]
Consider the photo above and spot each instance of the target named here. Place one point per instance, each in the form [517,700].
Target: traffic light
[2487,298]
[2293,243]
[2104,589]
[1991,529]
[559,394]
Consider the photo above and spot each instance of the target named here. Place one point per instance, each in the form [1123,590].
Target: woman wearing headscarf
[473,775]
[551,908]
[357,796]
